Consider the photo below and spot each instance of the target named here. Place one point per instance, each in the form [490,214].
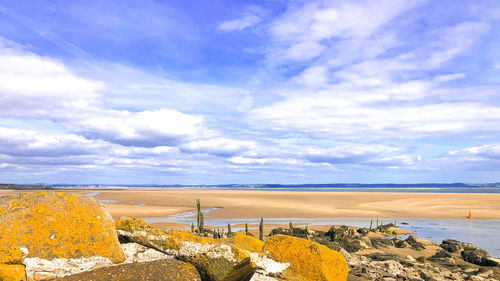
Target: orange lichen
[131,224]
[56,225]
[308,260]
[186,236]
[12,272]
[245,242]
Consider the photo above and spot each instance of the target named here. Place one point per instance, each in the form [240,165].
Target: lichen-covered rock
[213,260]
[159,270]
[246,242]
[56,225]
[308,260]
[12,272]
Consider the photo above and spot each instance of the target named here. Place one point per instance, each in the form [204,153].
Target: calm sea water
[378,189]
[482,233]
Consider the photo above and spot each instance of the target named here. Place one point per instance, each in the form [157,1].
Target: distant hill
[264,185]
[24,187]
[325,185]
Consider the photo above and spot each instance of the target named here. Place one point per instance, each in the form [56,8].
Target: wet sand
[283,204]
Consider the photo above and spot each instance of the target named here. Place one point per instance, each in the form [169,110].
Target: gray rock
[476,256]
[160,270]
[412,241]
[454,246]
[441,255]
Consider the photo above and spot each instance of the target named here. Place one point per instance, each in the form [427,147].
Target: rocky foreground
[63,236]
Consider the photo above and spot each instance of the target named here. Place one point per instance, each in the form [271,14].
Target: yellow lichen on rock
[56,225]
[12,272]
[214,260]
[308,260]
[132,224]
[246,242]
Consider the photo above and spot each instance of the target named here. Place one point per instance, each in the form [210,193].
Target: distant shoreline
[493,188]
[262,185]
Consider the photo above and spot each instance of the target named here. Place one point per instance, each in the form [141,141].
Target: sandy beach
[280,204]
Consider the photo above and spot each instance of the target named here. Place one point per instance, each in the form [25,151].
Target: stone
[441,254]
[213,260]
[51,225]
[159,270]
[414,243]
[12,272]
[246,242]
[42,269]
[492,261]
[138,253]
[384,257]
[308,260]
[454,246]
[382,243]
[476,256]
[348,238]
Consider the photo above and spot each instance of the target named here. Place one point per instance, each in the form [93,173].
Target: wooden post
[261,229]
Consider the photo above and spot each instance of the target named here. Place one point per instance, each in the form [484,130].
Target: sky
[218,92]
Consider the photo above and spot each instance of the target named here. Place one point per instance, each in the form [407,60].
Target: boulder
[246,242]
[52,225]
[348,238]
[308,260]
[159,270]
[414,243]
[401,244]
[12,272]
[213,260]
[385,227]
[441,255]
[384,257]
[297,232]
[454,246]
[382,243]
[478,256]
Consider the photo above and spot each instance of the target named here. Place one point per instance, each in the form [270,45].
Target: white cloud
[32,85]
[340,155]
[240,24]
[305,31]
[455,40]
[341,117]
[483,152]
[147,128]
[218,146]
[29,143]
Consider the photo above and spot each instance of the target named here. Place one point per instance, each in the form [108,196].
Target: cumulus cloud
[32,85]
[321,115]
[483,152]
[29,143]
[340,155]
[218,146]
[145,129]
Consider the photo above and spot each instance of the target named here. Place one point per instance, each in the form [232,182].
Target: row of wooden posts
[219,233]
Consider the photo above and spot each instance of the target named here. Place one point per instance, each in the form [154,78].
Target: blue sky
[207,92]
